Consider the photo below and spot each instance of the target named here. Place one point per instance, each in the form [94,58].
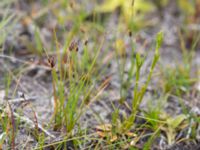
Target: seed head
[51,62]
[130,34]
[86,42]
[73,46]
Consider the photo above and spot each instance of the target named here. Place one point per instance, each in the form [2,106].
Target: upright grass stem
[139,93]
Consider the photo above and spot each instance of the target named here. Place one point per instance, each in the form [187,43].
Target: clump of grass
[139,93]
[121,127]
[178,80]
[70,100]
[8,122]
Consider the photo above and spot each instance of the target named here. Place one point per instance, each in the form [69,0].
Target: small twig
[14,59]
[17,100]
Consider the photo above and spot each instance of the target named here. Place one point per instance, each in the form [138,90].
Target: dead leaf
[131,134]
[104,127]
[113,138]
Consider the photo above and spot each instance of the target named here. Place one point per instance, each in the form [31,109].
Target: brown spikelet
[86,42]
[73,46]
[130,34]
[51,62]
